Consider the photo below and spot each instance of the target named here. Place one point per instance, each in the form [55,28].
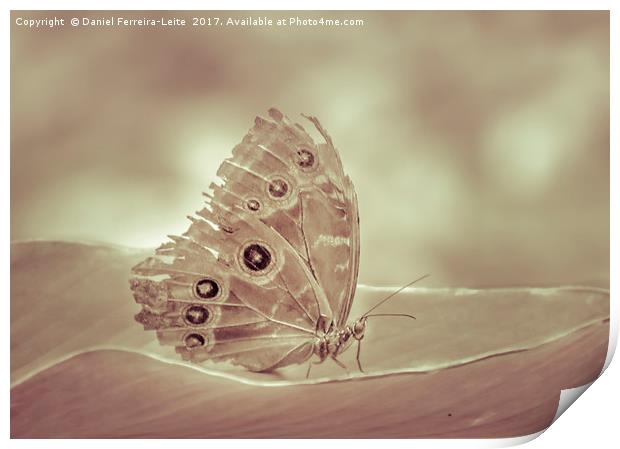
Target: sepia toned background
[478,142]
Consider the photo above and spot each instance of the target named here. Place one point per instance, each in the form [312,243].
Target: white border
[591,422]
[360,5]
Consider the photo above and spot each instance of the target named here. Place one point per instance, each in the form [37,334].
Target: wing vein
[288,291]
[301,225]
[276,321]
[228,354]
[245,169]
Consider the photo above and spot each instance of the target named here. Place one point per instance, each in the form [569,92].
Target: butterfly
[266,274]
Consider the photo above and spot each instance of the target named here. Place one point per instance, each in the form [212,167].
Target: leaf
[495,360]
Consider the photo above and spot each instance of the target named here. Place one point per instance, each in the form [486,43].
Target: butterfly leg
[357,357]
[340,364]
[318,362]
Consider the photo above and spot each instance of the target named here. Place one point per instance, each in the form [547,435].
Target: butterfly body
[265,275]
[338,340]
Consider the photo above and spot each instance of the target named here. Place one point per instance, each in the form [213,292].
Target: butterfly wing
[249,304]
[317,214]
[272,257]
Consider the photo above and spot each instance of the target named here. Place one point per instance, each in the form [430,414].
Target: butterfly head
[358,328]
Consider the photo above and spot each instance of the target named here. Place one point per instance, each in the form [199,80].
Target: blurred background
[478,142]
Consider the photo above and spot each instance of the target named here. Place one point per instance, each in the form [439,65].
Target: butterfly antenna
[394,294]
[391,314]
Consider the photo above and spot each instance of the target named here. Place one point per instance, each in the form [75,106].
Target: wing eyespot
[227,229]
[256,257]
[194,340]
[278,188]
[305,159]
[196,315]
[207,288]
[253,205]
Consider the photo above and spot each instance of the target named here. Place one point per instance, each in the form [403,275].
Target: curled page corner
[515,441]
[568,397]
[613,342]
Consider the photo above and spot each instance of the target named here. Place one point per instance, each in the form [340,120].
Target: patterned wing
[221,293]
[272,257]
[298,188]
